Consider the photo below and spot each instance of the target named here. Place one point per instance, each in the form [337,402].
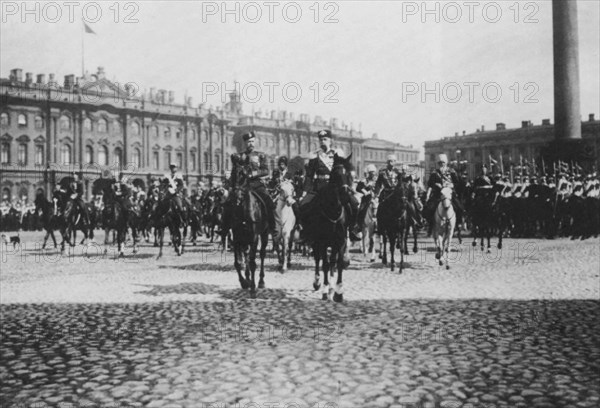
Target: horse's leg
[338,295]
[326,265]
[159,234]
[53,237]
[289,248]
[403,237]
[384,256]
[46,239]
[237,256]
[284,252]
[393,238]
[253,249]
[264,241]
[415,247]
[316,254]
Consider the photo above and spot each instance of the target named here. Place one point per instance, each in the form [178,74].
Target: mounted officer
[175,186]
[75,193]
[318,172]
[254,167]
[442,177]
[366,187]
[388,179]
[122,191]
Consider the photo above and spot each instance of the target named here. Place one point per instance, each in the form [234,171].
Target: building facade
[96,127]
[513,146]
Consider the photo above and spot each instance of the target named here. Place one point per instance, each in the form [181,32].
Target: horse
[368,227]
[116,217]
[328,228]
[285,222]
[165,214]
[443,226]
[391,221]
[412,214]
[50,221]
[249,226]
[73,219]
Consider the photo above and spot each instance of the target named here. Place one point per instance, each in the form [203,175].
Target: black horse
[50,222]
[115,215]
[392,221]
[72,219]
[327,228]
[249,226]
[166,214]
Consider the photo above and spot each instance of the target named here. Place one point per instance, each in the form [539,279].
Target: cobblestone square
[513,328]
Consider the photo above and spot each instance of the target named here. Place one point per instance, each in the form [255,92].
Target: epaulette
[313,155]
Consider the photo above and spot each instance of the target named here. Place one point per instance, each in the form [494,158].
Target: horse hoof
[338,297]
[474,244]
[324,296]
[499,245]
[372,260]
[438,256]
[316,285]
[489,251]
[253,293]
[447,267]
[415,250]
[244,284]
[441,263]
[261,285]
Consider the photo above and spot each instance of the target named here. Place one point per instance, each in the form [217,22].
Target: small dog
[14,240]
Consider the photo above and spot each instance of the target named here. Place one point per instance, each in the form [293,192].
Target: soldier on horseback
[75,193]
[175,187]
[254,167]
[442,177]
[388,179]
[318,173]
[366,187]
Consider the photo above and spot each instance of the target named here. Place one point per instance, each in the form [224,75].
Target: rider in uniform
[388,179]
[256,168]
[318,172]
[366,187]
[75,192]
[441,178]
[175,187]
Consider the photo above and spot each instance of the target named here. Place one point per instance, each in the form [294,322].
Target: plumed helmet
[324,133]
[371,168]
[391,157]
[442,158]
[248,136]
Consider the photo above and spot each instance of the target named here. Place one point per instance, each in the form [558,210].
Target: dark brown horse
[391,221]
[327,229]
[249,226]
[50,222]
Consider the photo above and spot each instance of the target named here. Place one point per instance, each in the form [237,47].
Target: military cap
[442,158]
[173,164]
[283,159]
[391,157]
[248,136]
[371,168]
[324,133]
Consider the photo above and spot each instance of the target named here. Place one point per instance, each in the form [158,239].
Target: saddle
[254,211]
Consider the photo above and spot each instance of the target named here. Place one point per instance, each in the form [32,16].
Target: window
[118,153]
[39,154]
[6,194]
[22,154]
[135,128]
[5,153]
[103,156]
[65,123]
[217,167]
[180,160]
[205,135]
[22,119]
[193,134]
[102,126]
[206,162]
[65,154]
[154,131]
[167,159]
[193,160]
[39,122]
[217,138]
[155,160]
[89,155]
[167,133]
[117,127]
[136,158]
[87,124]
[178,134]
[4,119]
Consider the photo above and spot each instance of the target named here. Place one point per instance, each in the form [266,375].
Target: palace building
[512,145]
[96,127]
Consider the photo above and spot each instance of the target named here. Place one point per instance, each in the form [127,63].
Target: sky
[387,67]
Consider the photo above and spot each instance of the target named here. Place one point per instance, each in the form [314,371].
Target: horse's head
[286,191]
[341,172]
[446,197]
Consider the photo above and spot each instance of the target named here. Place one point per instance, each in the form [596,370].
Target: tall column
[567,115]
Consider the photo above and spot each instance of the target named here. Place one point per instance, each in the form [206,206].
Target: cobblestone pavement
[514,328]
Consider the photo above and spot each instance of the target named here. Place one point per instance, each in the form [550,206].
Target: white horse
[369,226]
[285,220]
[443,227]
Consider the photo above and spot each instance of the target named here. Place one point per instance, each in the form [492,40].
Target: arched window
[65,123]
[135,128]
[205,135]
[155,160]
[155,131]
[5,153]
[39,154]
[180,160]
[102,126]
[103,156]
[89,155]
[117,127]
[87,124]
[178,134]
[167,159]
[22,154]
[39,122]
[4,119]
[6,194]
[193,134]
[167,133]
[118,155]
[293,144]
[22,119]
[207,166]
[65,154]
[217,138]
[217,167]
[136,157]
[193,160]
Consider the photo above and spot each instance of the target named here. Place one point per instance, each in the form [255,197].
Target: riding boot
[352,227]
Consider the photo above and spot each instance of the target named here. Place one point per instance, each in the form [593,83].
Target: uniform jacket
[318,170]
[388,179]
[438,180]
[256,165]
[364,186]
